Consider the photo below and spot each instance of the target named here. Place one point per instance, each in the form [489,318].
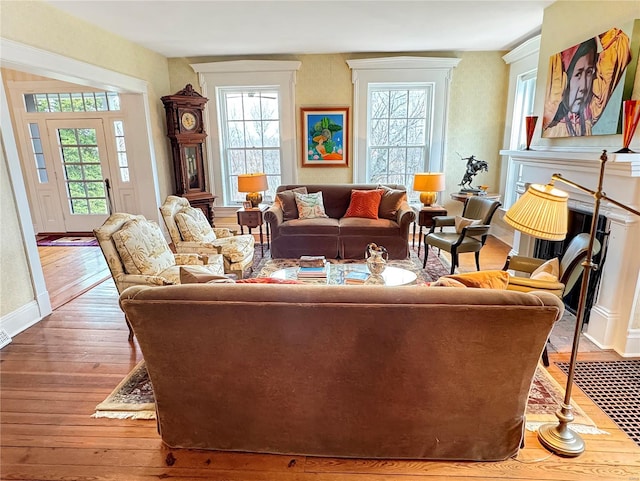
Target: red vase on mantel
[530,125]
[631,115]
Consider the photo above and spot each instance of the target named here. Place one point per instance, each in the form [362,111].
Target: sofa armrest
[128,280]
[222,232]
[190,247]
[274,216]
[406,215]
[183,259]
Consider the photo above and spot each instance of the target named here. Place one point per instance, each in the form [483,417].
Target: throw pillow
[549,271]
[462,222]
[142,248]
[310,206]
[364,203]
[447,282]
[190,275]
[485,279]
[390,202]
[287,201]
[193,226]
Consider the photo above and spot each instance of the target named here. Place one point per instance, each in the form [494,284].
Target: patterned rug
[436,266]
[133,399]
[66,241]
[614,386]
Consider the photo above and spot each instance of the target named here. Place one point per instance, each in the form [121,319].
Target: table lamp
[542,212]
[253,184]
[428,184]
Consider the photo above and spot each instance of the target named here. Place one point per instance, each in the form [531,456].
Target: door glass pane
[83,173]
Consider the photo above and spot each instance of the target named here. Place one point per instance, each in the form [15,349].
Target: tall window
[399,118]
[399,121]
[523,106]
[252,111]
[250,136]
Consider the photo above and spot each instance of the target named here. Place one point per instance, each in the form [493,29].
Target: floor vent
[4,338]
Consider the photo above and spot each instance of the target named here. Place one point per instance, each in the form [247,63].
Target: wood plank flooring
[54,374]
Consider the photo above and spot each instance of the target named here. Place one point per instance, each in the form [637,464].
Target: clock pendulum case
[186,132]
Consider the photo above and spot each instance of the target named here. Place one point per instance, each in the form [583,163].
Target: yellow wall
[15,279]
[476,117]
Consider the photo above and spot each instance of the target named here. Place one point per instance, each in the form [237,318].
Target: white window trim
[250,73]
[435,71]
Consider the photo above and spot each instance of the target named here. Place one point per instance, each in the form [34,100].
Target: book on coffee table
[312,272]
[356,277]
[312,261]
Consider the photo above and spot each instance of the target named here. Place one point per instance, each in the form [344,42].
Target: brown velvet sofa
[342,371]
[337,236]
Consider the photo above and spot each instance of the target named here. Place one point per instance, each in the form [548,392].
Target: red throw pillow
[364,203]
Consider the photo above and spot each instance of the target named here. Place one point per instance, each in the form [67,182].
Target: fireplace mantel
[615,316]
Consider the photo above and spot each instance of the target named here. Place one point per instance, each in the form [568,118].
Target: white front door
[82,172]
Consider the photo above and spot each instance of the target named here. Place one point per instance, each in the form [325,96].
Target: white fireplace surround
[615,316]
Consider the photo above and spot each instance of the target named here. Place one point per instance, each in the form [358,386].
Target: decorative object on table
[312,261]
[312,272]
[530,125]
[474,167]
[429,184]
[253,184]
[630,118]
[325,136]
[356,277]
[542,213]
[376,257]
[582,98]
[185,129]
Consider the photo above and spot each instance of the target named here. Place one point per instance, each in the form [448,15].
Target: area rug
[133,399]
[545,397]
[66,241]
[614,386]
[436,266]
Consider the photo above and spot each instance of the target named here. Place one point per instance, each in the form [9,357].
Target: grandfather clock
[186,131]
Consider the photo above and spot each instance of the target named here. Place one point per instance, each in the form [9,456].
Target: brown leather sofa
[342,371]
[337,236]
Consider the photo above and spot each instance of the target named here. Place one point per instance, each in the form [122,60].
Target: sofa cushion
[193,225]
[374,227]
[287,201]
[310,206]
[322,225]
[193,275]
[462,222]
[142,248]
[493,279]
[390,202]
[364,203]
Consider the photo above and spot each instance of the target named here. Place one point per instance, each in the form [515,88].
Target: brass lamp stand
[528,214]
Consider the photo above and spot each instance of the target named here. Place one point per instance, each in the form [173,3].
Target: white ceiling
[177,28]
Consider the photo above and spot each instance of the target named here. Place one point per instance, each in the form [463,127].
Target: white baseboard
[17,321]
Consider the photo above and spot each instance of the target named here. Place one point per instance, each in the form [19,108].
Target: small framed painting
[325,136]
[247,205]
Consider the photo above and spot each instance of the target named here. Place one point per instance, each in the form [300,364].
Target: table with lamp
[251,217]
[428,184]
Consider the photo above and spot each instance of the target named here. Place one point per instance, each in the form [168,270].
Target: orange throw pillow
[485,279]
[364,203]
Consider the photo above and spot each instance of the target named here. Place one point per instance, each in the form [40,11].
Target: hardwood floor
[54,374]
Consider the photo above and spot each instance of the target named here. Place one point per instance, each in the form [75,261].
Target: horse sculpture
[474,166]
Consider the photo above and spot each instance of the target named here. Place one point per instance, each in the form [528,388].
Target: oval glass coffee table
[336,274]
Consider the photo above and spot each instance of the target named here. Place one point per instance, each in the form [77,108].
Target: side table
[425,217]
[253,218]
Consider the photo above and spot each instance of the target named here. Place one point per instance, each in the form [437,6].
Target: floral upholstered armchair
[190,232]
[138,254]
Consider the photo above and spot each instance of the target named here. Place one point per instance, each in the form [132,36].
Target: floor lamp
[542,213]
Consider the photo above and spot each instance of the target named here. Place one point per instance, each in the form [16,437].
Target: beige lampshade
[252,182]
[429,182]
[541,212]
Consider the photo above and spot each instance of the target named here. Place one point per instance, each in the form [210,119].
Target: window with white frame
[523,106]
[399,117]
[252,111]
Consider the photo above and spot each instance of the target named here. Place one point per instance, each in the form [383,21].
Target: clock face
[188,120]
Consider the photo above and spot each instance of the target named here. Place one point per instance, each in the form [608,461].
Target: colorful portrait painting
[325,136]
[584,88]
